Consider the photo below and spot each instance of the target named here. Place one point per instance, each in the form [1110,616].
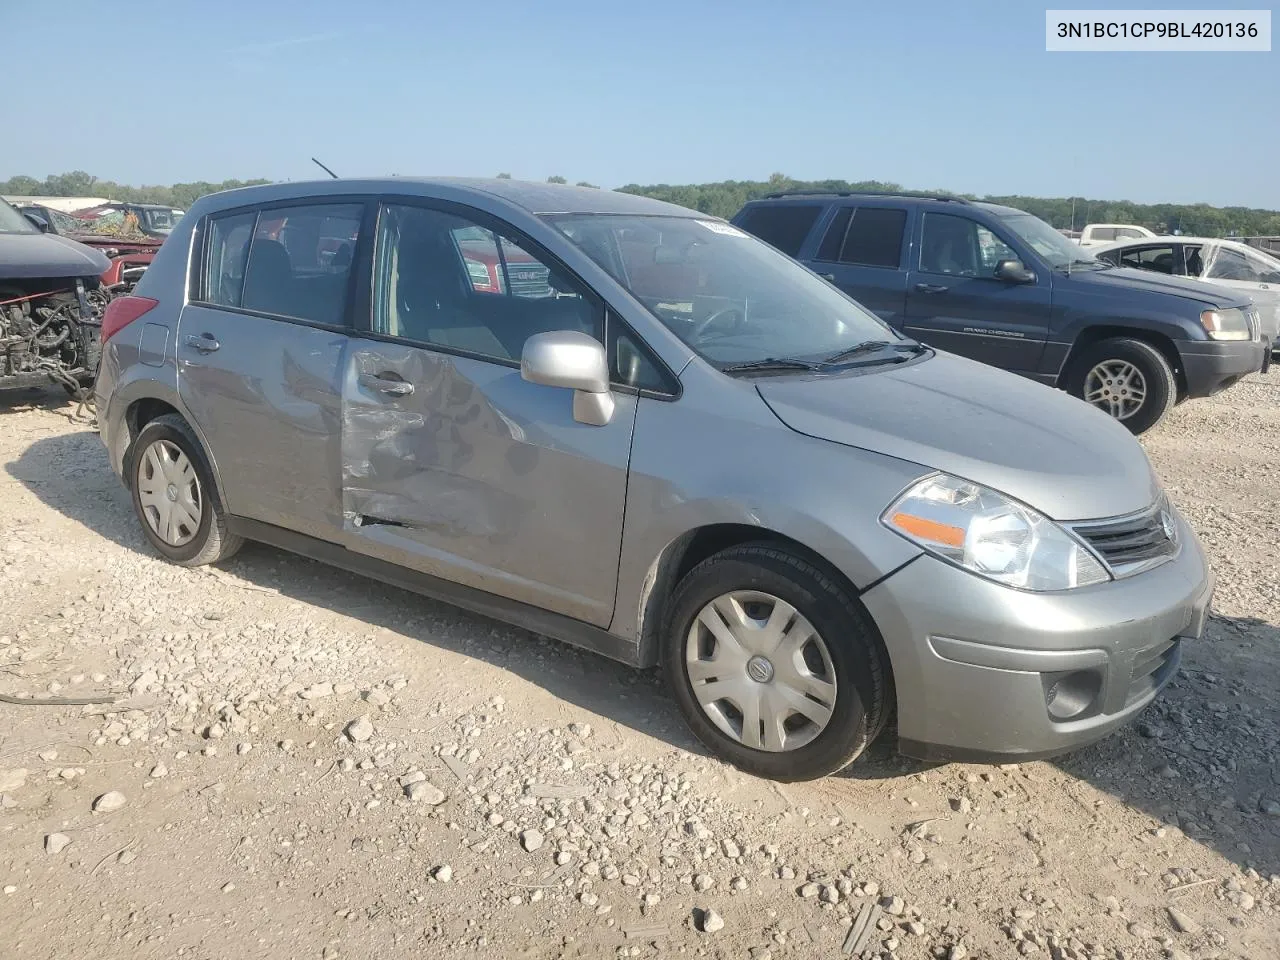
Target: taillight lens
[121,312]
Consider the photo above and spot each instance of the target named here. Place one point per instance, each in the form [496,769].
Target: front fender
[825,496]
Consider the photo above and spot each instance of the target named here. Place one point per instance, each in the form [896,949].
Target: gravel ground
[312,765]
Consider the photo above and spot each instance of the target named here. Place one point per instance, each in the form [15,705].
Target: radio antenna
[324,168]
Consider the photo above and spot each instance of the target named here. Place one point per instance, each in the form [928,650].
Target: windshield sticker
[723,228]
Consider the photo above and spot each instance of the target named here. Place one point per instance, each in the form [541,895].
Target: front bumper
[974,662]
[1212,366]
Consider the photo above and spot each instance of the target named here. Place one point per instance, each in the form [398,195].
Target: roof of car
[904,195]
[537,198]
[1170,238]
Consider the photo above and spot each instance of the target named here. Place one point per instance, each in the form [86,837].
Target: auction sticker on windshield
[724,228]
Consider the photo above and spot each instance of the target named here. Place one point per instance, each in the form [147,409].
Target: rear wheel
[1128,379]
[776,669]
[174,495]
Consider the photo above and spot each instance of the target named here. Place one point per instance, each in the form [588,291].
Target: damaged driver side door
[454,465]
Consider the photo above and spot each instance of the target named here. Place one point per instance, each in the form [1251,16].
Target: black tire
[212,541]
[862,683]
[1162,386]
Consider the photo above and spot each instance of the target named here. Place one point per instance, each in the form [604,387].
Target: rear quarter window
[784,226]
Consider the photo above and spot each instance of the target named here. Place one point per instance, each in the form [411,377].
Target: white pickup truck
[1096,234]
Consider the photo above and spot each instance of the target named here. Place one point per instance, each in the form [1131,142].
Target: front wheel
[1128,379]
[776,669]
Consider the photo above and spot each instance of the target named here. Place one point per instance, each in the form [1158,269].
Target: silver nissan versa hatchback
[635,428]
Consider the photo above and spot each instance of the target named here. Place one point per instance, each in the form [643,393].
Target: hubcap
[760,672]
[1117,387]
[760,669]
[169,492]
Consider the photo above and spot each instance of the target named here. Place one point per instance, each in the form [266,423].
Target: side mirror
[577,362]
[1014,271]
[37,221]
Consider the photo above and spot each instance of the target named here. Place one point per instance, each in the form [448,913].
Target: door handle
[205,343]
[932,287]
[391,386]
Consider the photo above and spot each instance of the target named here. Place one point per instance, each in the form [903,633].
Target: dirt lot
[500,795]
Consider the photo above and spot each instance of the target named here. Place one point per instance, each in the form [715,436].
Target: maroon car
[129,255]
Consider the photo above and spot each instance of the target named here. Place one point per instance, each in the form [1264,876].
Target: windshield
[11,221]
[1056,249]
[159,221]
[732,298]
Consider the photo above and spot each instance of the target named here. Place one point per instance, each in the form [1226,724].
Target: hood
[29,255]
[104,242]
[1036,444]
[1128,279]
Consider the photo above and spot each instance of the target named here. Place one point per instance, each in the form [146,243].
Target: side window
[1228,264]
[1157,259]
[630,364]
[299,261]
[783,225]
[874,238]
[961,247]
[833,239]
[227,251]
[445,281]
[1123,234]
[991,250]
[1104,234]
[1195,262]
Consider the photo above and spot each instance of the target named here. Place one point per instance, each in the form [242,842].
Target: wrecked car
[49,327]
[154,219]
[129,249]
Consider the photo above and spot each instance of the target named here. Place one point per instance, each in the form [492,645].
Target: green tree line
[77,183]
[725,198]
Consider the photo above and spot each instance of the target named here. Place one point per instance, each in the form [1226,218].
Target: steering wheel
[702,327]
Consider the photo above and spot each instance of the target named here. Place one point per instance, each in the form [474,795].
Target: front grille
[1152,669]
[1130,544]
[1253,320]
[528,279]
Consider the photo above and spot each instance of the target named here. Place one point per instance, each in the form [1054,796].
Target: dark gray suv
[641,430]
[998,285]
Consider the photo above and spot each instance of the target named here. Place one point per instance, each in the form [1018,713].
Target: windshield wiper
[871,346]
[772,363]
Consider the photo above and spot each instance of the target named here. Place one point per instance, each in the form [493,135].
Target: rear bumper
[976,663]
[1210,366]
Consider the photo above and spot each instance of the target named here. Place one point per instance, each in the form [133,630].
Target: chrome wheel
[169,493]
[760,672]
[1117,387]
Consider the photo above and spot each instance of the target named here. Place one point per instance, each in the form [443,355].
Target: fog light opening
[1069,696]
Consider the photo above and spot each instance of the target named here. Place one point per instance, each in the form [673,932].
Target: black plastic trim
[523,615]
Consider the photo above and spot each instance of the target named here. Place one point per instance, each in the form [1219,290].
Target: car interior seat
[268,279]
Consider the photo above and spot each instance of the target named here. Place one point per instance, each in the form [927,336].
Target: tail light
[121,312]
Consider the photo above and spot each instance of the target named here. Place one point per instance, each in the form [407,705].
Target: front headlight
[991,535]
[1227,324]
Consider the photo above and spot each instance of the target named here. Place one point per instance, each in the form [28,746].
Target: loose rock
[55,843]
[712,921]
[420,791]
[359,730]
[109,802]
[531,840]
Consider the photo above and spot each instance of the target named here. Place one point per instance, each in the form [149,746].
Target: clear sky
[956,95]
